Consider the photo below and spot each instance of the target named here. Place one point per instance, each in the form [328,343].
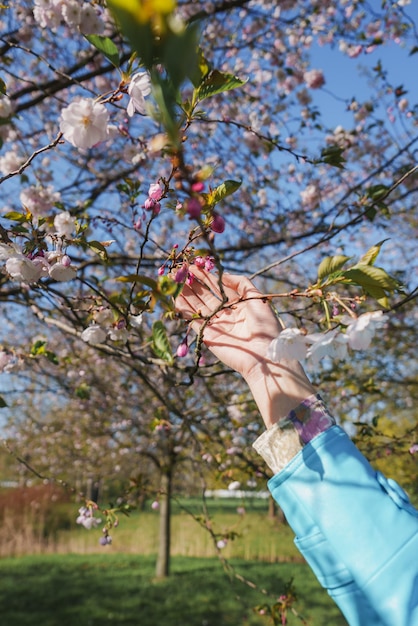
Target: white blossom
[84,123]
[62,273]
[94,335]
[39,200]
[86,518]
[21,268]
[6,108]
[64,224]
[90,21]
[290,344]
[10,162]
[361,331]
[234,486]
[332,344]
[138,89]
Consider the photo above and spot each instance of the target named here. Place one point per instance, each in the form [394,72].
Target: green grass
[259,537]
[119,589]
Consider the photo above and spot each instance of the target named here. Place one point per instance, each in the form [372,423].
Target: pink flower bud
[199,262]
[183,349]
[218,223]
[149,204]
[209,263]
[161,270]
[198,187]
[155,192]
[66,261]
[181,273]
[193,208]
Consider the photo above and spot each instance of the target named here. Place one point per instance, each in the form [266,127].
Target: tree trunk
[163,558]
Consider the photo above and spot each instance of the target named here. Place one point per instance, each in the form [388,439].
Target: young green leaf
[216,82]
[225,189]
[160,343]
[3,402]
[371,255]
[106,46]
[331,264]
[368,276]
[333,155]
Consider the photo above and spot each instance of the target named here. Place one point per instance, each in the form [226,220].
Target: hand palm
[242,328]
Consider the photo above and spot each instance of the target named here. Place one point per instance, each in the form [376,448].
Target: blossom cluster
[83,15]
[29,269]
[105,326]
[293,343]
[86,517]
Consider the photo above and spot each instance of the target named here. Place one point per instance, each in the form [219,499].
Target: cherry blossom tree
[141,136]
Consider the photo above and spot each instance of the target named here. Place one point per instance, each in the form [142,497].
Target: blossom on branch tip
[93,335]
[360,331]
[155,192]
[86,518]
[84,123]
[138,89]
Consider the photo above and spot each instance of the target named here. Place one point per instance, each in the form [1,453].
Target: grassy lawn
[81,590]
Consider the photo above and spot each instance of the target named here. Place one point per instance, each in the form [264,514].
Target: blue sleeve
[356,529]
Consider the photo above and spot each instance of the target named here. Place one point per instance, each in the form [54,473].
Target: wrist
[278,388]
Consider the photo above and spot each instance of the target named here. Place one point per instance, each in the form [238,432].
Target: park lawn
[119,589]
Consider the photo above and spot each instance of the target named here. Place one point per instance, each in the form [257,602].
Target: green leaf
[377,192]
[216,82]
[379,294]
[106,46]
[180,55]
[333,155]
[138,30]
[38,348]
[3,402]
[2,87]
[160,343]
[98,248]
[331,264]
[138,278]
[371,254]
[225,189]
[16,216]
[368,276]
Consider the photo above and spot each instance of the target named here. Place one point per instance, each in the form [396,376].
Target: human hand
[238,329]
[237,326]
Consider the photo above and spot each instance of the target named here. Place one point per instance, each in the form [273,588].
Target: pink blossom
[209,263]
[199,262]
[314,79]
[413,449]
[155,191]
[155,505]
